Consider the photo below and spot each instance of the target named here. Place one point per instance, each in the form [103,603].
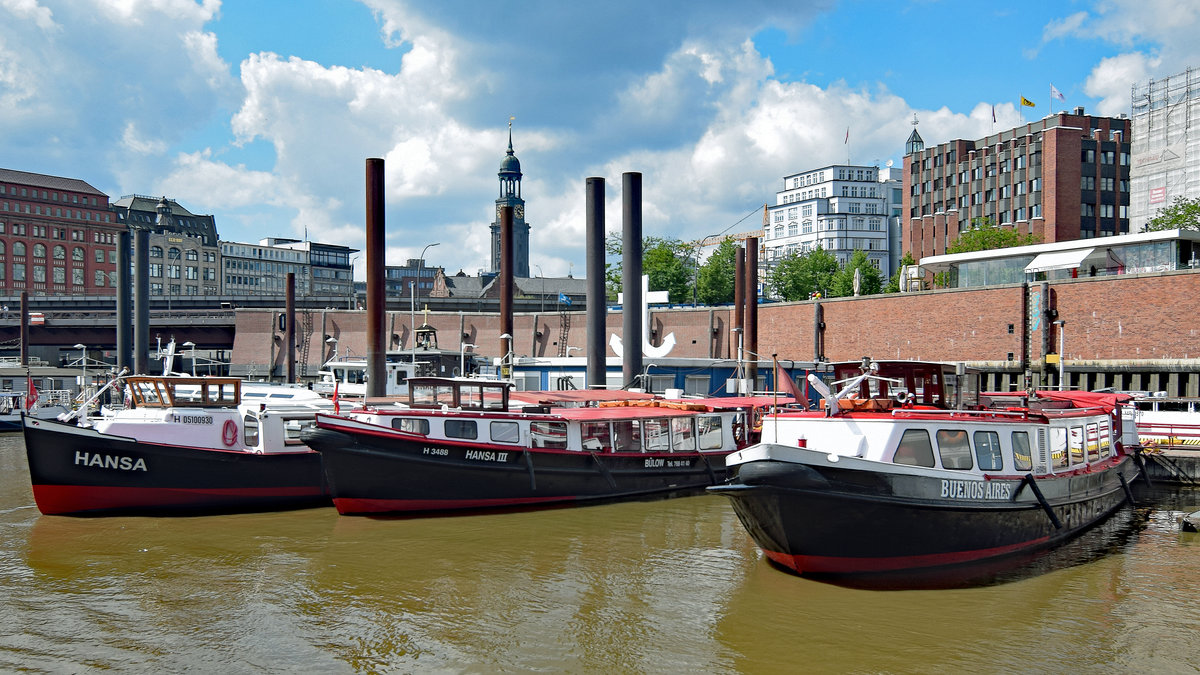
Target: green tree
[870,278]
[985,235]
[669,263]
[715,280]
[1182,214]
[893,285]
[797,276]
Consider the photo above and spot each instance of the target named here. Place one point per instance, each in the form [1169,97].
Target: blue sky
[263,113]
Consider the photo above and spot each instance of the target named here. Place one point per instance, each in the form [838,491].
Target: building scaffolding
[1166,154]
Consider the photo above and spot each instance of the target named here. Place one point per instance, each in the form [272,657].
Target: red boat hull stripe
[819,564]
[56,499]
[367,505]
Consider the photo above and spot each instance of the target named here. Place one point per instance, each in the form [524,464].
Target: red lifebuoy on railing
[229,433]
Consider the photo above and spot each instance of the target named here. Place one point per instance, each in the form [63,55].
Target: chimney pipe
[596,305]
[506,284]
[751,292]
[376,247]
[124,305]
[631,275]
[289,335]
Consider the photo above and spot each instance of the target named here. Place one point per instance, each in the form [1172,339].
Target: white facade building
[1165,144]
[841,208]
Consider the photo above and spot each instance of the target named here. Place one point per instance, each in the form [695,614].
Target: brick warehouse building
[1065,176]
[1132,331]
[57,236]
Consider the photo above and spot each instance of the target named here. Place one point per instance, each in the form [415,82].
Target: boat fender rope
[229,433]
[604,470]
[1037,492]
[529,466]
[1125,486]
[1140,460]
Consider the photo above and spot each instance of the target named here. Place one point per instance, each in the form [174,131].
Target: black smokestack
[124,304]
[141,301]
[751,327]
[631,277]
[289,335]
[376,349]
[506,282]
[596,311]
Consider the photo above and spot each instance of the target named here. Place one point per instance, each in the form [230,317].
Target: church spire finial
[510,121]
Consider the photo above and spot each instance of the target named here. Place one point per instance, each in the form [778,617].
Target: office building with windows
[840,208]
[183,247]
[1063,177]
[57,236]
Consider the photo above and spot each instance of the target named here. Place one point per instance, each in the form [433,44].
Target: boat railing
[915,412]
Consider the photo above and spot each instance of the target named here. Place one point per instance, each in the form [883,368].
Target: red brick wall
[1121,318]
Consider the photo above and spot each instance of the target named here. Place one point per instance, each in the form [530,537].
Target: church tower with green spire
[510,195]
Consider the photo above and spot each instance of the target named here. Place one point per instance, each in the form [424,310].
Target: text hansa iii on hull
[462,443]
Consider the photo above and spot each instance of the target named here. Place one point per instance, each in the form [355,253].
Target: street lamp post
[1061,367]
[83,360]
[462,358]
[543,276]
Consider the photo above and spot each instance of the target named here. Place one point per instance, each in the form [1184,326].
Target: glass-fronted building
[1125,254]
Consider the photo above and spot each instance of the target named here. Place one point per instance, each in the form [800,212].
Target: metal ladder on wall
[306,329]
[564,320]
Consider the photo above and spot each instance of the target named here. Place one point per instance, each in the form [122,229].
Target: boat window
[987,451]
[1076,441]
[708,428]
[461,429]
[1022,458]
[954,449]
[548,434]
[413,425]
[1058,447]
[506,432]
[221,393]
[250,431]
[1093,442]
[628,436]
[147,393]
[1105,439]
[656,435]
[683,434]
[595,435]
[914,449]
[470,397]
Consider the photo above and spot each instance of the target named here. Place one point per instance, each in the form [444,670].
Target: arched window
[19,249]
[173,253]
[155,251]
[1,248]
[60,252]
[77,253]
[39,251]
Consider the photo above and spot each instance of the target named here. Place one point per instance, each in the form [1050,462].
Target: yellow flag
[1025,101]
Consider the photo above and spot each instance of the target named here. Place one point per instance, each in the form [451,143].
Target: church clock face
[519,211]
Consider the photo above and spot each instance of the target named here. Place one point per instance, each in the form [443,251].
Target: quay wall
[1146,323]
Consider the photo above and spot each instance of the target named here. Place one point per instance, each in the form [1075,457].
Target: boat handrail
[913,412]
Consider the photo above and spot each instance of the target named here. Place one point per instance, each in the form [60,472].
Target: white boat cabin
[907,416]
[477,411]
[210,413]
[349,377]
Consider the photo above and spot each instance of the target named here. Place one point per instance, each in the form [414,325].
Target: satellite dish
[889,163]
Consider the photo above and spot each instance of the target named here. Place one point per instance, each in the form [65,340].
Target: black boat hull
[830,520]
[389,473]
[78,471]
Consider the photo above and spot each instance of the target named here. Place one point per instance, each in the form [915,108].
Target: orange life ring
[229,433]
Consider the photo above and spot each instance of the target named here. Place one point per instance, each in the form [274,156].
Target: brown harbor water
[668,586]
